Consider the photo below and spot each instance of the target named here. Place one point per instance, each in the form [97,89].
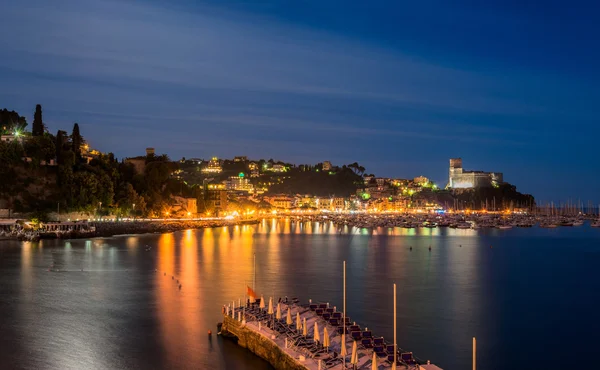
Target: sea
[530,296]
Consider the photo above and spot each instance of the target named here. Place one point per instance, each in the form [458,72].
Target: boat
[504,227]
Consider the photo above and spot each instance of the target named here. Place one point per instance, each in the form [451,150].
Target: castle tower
[455,169]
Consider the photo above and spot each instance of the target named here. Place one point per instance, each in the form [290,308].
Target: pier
[312,336]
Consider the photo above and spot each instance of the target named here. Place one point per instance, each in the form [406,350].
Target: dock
[291,335]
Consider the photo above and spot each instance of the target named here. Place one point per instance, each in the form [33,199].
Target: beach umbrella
[262,303]
[278,315]
[288,319]
[354,357]
[316,333]
[374,361]
[270,312]
[304,331]
[298,322]
[343,351]
[326,342]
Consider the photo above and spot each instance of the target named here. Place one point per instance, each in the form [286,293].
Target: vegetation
[341,183]
[11,122]
[95,184]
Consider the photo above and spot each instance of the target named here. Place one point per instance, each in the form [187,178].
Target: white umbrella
[298,322]
[278,315]
[326,338]
[304,331]
[262,302]
[316,333]
[354,357]
[270,312]
[288,319]
[344,350]
[374,361]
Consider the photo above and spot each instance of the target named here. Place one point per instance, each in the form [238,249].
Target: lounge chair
[408,358]
[367,343]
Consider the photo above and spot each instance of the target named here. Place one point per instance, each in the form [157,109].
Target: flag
[250,293]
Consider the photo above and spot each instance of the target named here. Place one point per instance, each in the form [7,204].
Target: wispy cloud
[231,82]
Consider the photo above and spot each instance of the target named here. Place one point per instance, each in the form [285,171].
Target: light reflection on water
[121,313]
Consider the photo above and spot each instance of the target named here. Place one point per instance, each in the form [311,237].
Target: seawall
[260,345]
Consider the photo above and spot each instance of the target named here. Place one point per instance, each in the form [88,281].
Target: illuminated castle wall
[460,179]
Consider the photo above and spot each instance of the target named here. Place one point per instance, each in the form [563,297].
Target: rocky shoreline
[108,229]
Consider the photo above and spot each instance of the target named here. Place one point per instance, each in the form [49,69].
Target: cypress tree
[38,125]
[76,140]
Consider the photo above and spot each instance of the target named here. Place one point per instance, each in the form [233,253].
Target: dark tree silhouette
[38,125]
[76,140]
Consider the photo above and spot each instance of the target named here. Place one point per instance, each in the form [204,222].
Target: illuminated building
[215,198]
[421,180]
[239,183]
[213,166]
[460,179]
[278,168]
[326,166]
[149,151]
[254,170]
[241,158]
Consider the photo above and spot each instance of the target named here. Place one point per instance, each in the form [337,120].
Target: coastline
[110,229]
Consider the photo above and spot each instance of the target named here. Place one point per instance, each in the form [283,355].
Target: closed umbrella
[278,316]
[344,350]
[262,303]
[354,357]
[270,312]
[304,331]
[288,319]
[316,333]
[326,338]
[298,322]
[374,361]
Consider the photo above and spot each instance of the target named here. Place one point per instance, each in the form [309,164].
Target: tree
[38,124]
[10,121]
[76,141]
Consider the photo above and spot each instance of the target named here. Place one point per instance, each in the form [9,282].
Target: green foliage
[299,181]
[11,121]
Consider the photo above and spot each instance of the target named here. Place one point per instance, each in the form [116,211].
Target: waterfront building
[327,166]
[149,152]
[183,207]
[213,166]
[241,158]
[458,178]
[215,199]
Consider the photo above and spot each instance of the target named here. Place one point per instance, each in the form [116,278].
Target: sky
[398,86]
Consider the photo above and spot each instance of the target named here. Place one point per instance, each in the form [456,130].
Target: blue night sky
[399,86]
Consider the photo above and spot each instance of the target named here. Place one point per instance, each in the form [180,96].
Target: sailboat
[597,222]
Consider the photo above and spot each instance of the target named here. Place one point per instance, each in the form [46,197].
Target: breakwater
[260,343]
[312,336]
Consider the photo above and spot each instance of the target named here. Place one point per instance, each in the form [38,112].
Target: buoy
[460,245]
[429,248]
[411,248]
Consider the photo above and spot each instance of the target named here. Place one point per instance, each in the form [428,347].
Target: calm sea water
[530,296]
